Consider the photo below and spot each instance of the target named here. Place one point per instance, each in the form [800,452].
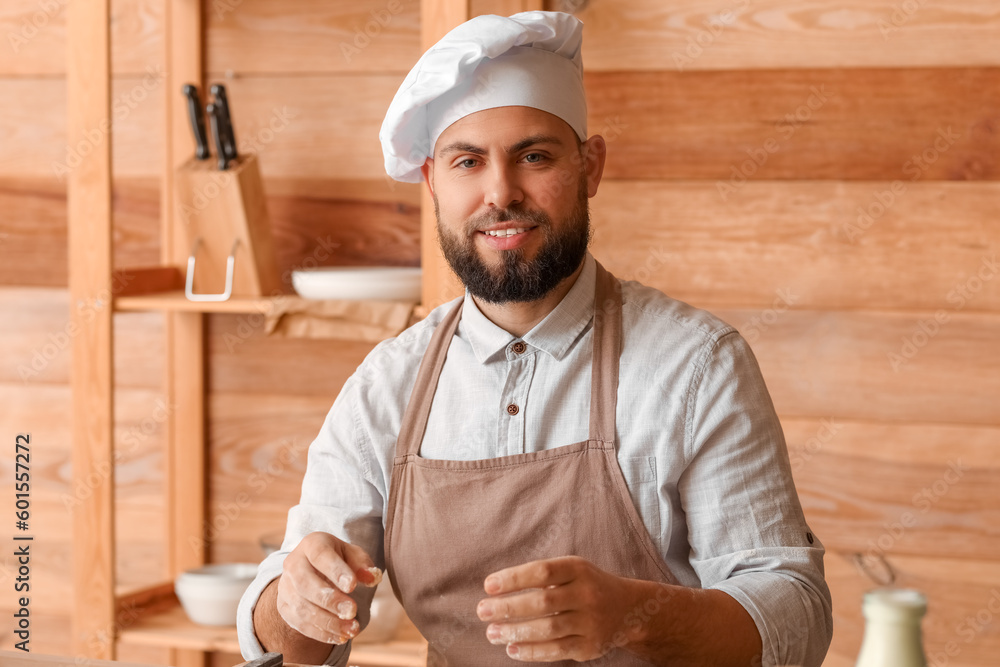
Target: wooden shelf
[177,302]
[173,629]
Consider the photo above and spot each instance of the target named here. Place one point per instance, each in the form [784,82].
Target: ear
[428,171]
[595,152]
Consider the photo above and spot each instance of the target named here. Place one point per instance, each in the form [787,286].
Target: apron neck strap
[607,350]
[604,374]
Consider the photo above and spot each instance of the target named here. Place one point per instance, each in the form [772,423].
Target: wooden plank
[185,360]
[37,335]
[812,245]
[33,232]
[138,476]
[437,17]
[89,217]
[17,659]
[871,124]
[888,490]
[957,591]
[36,143]
[300,36]
[878,366]
[285,119]
[504,7]
[243,360]
[307,220]
[36,34]
[689,35]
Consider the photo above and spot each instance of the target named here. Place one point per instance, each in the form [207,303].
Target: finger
[526,604]
[327,556]
[544,629]
[536,574]
[328,598]
[361,564]
[315,622]
[565,648]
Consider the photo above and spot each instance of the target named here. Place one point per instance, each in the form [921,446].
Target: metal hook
[230,270]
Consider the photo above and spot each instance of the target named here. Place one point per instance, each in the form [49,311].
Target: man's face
[510,190]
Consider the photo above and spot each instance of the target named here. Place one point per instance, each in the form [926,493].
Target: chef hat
[530,59]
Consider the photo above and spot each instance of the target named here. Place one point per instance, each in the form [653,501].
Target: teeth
[506,232]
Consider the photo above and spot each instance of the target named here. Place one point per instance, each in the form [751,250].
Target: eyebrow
[462,147]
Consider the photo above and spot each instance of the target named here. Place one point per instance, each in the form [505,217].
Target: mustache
[493,216]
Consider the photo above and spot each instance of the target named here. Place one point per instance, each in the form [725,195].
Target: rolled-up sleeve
[340,497]
[747,533]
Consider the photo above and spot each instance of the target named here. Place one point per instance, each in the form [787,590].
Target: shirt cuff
[792,629]
[250,647]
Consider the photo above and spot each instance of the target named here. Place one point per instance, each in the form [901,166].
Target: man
[560,466]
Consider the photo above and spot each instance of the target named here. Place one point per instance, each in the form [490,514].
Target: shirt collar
[555,334]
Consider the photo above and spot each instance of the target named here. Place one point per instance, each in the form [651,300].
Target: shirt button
[512,409]
[519,347]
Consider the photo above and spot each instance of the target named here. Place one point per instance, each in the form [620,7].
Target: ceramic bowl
[389,283]
[211,594]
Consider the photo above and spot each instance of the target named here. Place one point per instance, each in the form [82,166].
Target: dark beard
[518,280]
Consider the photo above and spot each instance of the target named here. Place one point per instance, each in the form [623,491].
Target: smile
[502,233]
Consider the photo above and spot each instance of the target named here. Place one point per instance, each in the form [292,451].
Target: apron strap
[418,408]
[607,350]
[604,374]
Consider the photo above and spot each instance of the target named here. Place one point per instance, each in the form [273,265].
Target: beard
[516,279]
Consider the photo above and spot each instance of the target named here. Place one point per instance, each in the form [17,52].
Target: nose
[503,188]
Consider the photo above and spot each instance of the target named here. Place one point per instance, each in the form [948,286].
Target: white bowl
[391,283]
[211,594]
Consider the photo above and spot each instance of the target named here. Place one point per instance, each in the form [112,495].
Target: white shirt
[699,444]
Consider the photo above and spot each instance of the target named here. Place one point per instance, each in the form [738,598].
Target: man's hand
[311,597]
[569,609]
[558,609]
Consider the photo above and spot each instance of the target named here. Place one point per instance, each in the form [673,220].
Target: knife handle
[197,121]
[226,120]
[213,116]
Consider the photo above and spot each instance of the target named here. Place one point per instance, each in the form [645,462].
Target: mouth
[504,233]
[507,235]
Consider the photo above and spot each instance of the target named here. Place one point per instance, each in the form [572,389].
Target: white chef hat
[530,59]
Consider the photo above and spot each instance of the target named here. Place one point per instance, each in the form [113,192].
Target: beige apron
[451,523]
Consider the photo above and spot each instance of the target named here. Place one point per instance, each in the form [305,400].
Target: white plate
[358,282]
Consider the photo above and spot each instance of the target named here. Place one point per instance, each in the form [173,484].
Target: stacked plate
[359,282]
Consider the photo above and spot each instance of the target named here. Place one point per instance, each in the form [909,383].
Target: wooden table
[22,659]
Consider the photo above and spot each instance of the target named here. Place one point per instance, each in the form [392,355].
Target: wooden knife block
[219,208]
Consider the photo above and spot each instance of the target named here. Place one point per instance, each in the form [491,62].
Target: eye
[533,158]
[467,163]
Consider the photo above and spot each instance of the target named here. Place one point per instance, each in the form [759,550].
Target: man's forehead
[504,128]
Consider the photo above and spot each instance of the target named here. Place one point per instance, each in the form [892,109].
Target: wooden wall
[823,175]
[744,137]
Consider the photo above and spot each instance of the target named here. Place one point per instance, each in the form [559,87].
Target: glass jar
[892,628]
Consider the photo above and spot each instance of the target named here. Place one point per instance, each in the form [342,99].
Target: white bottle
[892,629]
